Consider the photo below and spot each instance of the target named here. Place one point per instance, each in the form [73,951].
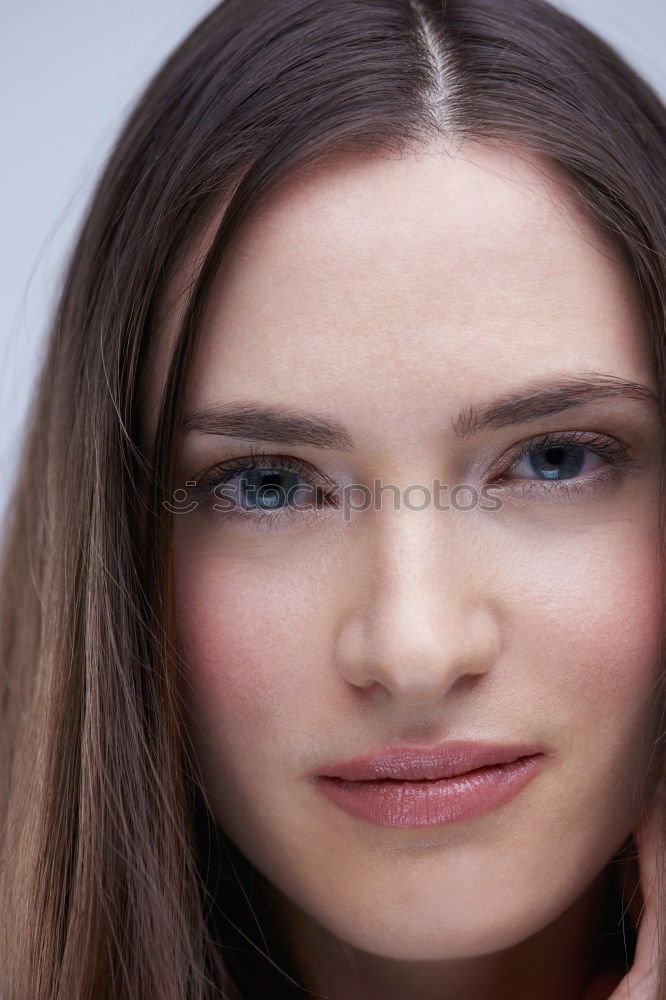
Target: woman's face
[391,297]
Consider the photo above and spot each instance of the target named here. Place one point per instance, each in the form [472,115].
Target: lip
[410,787]
[446,760]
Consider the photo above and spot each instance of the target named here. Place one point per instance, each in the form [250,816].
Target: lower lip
[432,803]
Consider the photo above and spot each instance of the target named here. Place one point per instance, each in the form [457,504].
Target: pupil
[559,461]
[269,492]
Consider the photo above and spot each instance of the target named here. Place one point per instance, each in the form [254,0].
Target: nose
[419,617]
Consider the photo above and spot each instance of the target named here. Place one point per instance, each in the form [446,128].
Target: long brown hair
[114,882]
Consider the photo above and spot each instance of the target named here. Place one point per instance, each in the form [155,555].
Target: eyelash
[616,452]
[223,473]
[618,455]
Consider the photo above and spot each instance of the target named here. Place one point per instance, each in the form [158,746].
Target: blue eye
[556,461]
[266,488]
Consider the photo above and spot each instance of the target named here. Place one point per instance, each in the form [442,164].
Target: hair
[115,882]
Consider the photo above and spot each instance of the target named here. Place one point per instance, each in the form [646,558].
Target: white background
[70,71]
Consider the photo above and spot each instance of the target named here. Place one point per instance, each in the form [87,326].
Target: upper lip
[446,760]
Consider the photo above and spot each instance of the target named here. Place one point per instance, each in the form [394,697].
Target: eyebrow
[268,423]
[254,421]
[553,395]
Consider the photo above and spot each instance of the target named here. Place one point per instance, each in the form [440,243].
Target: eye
[266,488]
[562,460]
[557,462]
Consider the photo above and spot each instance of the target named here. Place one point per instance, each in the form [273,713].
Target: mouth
[409,787]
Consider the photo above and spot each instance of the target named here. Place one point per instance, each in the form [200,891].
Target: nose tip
[416,655]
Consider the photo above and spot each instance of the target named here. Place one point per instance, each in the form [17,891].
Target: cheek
[596,616]
[590,645]
[249,631]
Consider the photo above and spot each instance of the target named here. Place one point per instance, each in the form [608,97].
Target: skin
[389,294]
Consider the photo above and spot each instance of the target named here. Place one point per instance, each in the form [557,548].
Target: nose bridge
[421,617]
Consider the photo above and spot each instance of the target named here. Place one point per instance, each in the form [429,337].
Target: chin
[451,933]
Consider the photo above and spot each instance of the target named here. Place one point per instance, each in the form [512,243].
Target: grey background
[69,73]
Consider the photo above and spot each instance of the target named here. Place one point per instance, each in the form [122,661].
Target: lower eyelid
[564,489]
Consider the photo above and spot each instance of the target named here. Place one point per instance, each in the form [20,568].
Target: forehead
[438,273]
